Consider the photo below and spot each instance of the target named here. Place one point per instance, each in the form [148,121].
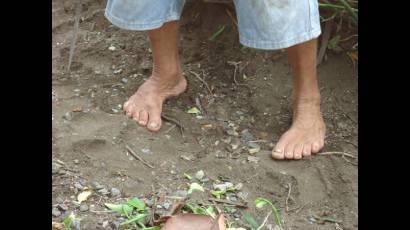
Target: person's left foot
[305,136]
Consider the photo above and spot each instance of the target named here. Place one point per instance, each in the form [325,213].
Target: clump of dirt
[90,132]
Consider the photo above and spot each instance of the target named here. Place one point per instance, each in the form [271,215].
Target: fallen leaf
[193,110]
[206,126]
[83,196]
[195,186]
[78,109]
[57,226]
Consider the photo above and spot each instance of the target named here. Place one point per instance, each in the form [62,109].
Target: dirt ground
[90,132]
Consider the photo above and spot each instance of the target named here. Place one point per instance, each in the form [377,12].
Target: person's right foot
[145,106]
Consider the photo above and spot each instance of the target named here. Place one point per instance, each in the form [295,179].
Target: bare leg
[307,133]
[166,80]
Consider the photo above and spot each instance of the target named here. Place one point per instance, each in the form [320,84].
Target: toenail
[153,125]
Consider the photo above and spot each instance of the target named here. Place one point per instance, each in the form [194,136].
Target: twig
[198,103]
[78,9]
[202,80]
[324,41]
[264,221]
[176,122]
[234,72]
[138,157]
[171,128]
[339,153]
[301,208]
[287,198]
[228,202]
[233,19]
[101,212]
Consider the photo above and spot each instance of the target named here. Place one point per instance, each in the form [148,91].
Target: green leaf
[260,202]
[195,186]
[136,218]
[217,33]
[194,110]
[210,211]
[68,221]
[334,42]
[218,194]
[188,176]
[152,228]
[137,203]
[250,220]
[196,209]
[120,208]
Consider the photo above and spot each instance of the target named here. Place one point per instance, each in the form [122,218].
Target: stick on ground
[137,157]
[228,202]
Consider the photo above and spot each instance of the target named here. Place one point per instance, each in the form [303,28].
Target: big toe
[278,152]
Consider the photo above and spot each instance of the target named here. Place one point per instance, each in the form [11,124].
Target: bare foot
[305,136]
[145,106]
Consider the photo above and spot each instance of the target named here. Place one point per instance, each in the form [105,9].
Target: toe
[298,152]
[154,123]
[143,118]
[315,147]
[279,151]
[289,150]
[307,150]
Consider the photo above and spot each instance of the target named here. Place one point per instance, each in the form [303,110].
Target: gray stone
[199,175]
[247,136]
[103,191]
[76,161]
[124,80]
[62,207]
[97,186]
[115,224]
[166,205]
[78,186]
[181,193]
[115,192]
[100,222]
[68,116]
[56,212]
[55,167]
[83,207]
[223,186]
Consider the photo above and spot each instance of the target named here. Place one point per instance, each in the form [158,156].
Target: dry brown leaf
[57,226]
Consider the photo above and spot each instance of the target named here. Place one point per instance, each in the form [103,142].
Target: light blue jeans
[263,24]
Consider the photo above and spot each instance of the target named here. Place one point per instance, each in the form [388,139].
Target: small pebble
[117,71]
[62,207]
[78,186]
[59,200]
[56,212]
[96,185]
[166,205]
[76,161]
[114,110]
[112,48]
[67,116]
[100,222]
[115,192]
[124,80]
[83,207]
[199,175]
[55,168]
[115,224]
[103,191]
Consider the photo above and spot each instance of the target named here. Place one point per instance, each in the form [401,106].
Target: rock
[243,195]
[254,150]
[115,192]
[181,193]
[100,222]
[238,186]
[223,186]
[78,186]
[199,175]
[56,212]
[97,186]
[166,205]
[232,132]
[253,159]
[117,71]
[115,110]
[105,224]
[62,207]
[55,167]
[247,136]
[115,224]
[235,143]
[146,151]
[59,200]
[83,207]
[76,161]
[103,191]
[124,80]
[112,48]
[68,116]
